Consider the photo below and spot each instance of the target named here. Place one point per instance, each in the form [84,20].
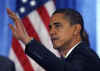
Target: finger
[13,29]
[22,27]
[14,17]
[12,14]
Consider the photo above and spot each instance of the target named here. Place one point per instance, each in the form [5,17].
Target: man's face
[61,31]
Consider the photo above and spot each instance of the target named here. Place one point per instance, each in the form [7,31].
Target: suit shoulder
[85,52]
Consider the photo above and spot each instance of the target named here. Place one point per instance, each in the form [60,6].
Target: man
[6,64]
[68,37]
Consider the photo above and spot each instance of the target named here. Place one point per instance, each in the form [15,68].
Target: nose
[52,31]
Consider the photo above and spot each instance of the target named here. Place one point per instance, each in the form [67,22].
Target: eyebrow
[56,23]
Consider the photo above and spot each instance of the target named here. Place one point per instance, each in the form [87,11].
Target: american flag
[35,15]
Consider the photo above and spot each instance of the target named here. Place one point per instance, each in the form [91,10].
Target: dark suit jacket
[6,64]
[82,58]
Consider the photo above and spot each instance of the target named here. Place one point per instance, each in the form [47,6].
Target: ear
[77,29]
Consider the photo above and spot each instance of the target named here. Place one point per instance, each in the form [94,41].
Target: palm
[18,30]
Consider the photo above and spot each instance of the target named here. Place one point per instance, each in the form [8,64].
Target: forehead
[57,16]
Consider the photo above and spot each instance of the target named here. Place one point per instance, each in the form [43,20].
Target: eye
[57,25]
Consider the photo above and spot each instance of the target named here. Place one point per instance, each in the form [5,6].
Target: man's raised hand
[18,29]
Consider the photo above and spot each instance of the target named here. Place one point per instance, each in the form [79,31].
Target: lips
[54,39]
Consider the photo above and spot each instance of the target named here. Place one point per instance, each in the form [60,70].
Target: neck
[63,51]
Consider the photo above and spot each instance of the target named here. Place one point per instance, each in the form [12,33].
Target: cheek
[61,40]
[65,37]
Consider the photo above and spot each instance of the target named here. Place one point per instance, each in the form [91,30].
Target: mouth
[54,39]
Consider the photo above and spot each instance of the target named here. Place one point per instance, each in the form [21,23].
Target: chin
[56,46]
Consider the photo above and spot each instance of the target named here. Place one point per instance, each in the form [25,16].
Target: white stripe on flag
[50,7]
[13,57]
[40,28]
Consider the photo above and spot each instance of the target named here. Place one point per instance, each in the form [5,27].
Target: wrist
[27,40]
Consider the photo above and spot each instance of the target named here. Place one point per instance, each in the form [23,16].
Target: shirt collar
[69,52]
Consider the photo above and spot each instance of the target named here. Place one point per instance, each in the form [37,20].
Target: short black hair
[73,16]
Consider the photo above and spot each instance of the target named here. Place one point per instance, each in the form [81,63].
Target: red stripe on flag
[21,55]
[29,28]
[44,16]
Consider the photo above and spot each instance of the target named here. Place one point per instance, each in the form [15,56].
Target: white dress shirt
[69,52]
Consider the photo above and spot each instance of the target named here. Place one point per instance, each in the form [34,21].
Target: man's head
[66,27]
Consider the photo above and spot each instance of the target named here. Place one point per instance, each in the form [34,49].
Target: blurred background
[90,10]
